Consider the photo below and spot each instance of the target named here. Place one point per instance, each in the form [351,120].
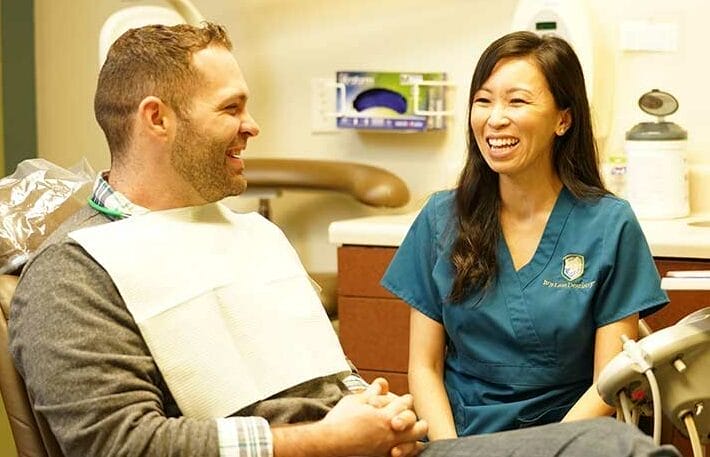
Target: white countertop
[667,238]
[687,283]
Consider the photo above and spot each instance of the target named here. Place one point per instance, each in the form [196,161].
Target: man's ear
[155,117]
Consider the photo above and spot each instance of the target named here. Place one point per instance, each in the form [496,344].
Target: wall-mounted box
[393,101]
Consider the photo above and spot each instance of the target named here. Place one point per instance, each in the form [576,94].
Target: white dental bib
[222,301]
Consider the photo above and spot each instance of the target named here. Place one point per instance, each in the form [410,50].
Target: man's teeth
[235,155]
[502,142]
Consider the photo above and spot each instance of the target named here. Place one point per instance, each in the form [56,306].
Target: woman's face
[515,119]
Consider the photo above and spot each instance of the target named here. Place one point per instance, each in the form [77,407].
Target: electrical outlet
[323,118]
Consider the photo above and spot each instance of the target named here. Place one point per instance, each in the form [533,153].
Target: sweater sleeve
[90,374]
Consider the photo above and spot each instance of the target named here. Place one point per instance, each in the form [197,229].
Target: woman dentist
[524,277]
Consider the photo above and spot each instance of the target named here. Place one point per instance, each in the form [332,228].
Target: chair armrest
[370,185]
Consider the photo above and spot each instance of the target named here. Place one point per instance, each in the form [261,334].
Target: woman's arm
[426,375]
[607,344]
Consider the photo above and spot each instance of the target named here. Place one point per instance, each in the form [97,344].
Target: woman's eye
[481,100]
[518,101]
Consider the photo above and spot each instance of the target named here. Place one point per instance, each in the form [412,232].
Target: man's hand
[377,423]
[400,422]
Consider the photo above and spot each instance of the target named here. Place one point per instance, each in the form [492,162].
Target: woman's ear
[564,123]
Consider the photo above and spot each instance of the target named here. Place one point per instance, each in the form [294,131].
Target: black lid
[657,103]
[656,131]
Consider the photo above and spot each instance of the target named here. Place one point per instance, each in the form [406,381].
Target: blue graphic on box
[385,100]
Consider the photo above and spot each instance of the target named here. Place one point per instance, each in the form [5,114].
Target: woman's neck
[523,199]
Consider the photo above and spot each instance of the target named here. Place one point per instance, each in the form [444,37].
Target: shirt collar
[118,206]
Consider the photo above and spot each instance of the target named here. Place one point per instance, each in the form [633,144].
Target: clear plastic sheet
[34,201]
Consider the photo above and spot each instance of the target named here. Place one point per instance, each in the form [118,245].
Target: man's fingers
[383,384]
[380,401]
[407,449]
[378,387]
[403,420]
[399,404]
[419,429]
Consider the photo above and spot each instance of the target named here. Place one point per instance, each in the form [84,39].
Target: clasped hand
[378,422]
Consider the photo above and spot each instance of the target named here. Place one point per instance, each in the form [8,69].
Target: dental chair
[32,435]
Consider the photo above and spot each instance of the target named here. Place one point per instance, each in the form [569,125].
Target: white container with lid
[657,173]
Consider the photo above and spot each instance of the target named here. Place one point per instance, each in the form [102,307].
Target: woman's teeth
[502,142]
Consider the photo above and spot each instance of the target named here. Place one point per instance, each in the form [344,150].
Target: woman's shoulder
[607,215]
[438,213]
[608,205]
[442,201]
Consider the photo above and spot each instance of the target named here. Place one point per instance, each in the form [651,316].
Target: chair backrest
[32,435]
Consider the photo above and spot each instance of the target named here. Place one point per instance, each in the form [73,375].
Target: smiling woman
[517,278]
[515,118]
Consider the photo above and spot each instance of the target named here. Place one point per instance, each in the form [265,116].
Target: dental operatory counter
[687,238]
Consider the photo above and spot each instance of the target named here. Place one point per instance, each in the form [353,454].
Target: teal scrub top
[521,352]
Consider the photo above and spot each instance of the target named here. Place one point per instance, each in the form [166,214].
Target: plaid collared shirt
[238,436]
[106,197]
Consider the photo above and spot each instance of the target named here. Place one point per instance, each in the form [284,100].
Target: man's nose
[249,125]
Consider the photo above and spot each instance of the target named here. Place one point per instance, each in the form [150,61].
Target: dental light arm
[181,11]
[188,11]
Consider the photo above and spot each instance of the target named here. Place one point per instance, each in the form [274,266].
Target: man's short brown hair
[151,60]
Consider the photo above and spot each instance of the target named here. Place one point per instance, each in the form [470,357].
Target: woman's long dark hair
[574,156]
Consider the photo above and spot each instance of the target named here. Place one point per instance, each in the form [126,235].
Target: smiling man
[148,355]
[191,125]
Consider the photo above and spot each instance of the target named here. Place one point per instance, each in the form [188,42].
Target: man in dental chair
[156,322]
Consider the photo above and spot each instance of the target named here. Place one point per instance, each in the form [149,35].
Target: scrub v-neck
[545,248]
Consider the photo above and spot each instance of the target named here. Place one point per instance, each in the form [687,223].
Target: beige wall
[283,44]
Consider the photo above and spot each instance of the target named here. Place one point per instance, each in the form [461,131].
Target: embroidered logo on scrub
[572,266]
[572,270]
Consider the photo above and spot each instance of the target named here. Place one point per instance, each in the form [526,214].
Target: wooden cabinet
[374,325]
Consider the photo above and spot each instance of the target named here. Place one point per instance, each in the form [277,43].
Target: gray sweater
[90,374]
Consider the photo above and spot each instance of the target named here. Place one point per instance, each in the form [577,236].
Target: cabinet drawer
[360,270]
[397,381]
[374,332]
